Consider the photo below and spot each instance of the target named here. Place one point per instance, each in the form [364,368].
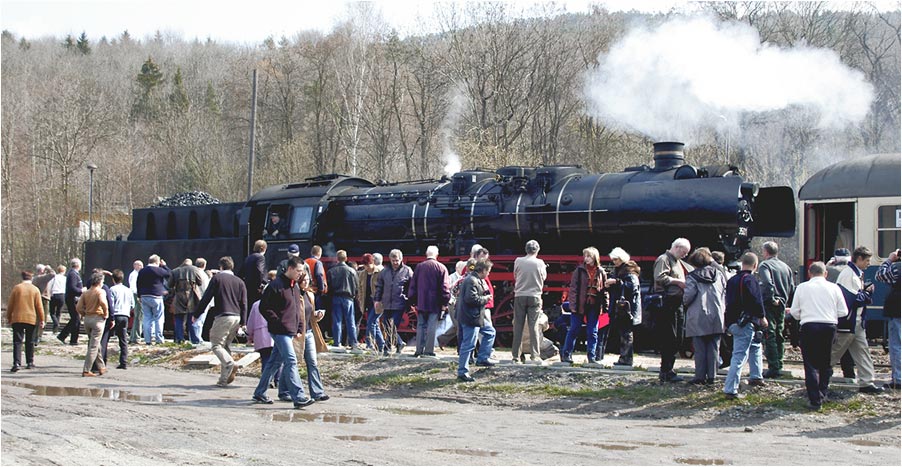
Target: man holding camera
[850,331]
[744,320]
[776,289]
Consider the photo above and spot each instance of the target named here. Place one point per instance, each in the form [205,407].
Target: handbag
[622,308]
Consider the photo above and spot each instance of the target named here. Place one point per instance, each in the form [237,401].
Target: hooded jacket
[705,301]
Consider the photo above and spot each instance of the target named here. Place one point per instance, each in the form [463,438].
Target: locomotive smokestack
[668,155]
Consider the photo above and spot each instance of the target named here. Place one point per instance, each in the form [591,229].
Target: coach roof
[861,177]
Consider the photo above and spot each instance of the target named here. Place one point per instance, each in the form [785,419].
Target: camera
[758,335]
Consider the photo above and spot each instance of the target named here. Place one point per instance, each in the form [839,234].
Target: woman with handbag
[705,302]
[626,302]
[587,300]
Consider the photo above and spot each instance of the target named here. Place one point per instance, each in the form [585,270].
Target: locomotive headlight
[748,190]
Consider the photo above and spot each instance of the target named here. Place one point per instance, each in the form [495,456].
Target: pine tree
[69,43]
[23,44]
[125,38]
[211,100]
[149,80]
[82,44]
[178,98]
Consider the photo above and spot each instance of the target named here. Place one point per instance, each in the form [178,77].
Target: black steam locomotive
[565,208]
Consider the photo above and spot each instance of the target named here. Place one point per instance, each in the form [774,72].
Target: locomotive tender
[565,208]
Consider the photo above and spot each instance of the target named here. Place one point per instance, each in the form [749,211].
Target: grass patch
[637,394]
[391,380]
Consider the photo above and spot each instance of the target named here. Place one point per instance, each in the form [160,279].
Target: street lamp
[91,168]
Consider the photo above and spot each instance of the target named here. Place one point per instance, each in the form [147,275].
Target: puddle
[864,442]
[402,411]
[317,418]
[468,452]
[361,438]
[662,445]
[696,461]
[98,393]
[611,447]
[549,422]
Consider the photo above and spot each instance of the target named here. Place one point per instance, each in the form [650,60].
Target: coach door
[827,226]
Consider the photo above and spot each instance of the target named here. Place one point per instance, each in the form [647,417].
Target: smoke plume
[690,74]
[456,108]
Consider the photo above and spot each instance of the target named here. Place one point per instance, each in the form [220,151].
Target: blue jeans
[895,335]
[743,349]
[314,381]
[576,322]
[195,329]
[343,318]
[153,318]
[468,343]
[396,316]
[373,330]
[282,356]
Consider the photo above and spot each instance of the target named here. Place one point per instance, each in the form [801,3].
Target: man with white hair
[529,280]
[430,294]
[775,278]
[391,294]
[670,279]
[138,317]
[151,288]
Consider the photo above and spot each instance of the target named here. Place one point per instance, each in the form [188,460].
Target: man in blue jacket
[152,290]
[744,319]
[850,331]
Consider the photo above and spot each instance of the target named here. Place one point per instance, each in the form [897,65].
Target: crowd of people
[733,318]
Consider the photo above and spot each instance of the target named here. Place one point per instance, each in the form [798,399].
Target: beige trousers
[857,345]
[222,333]
[94,328]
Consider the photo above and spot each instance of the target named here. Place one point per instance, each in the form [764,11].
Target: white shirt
[133,281]
[58,284]
[818,301]
[123,300]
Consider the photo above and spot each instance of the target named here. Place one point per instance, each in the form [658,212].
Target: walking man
[185,283]
[24,313]
[151,289]
[529,279]
[281,308]
[74,289]
[817,304]
[228,313]
[850,331]
[776,288]
[343,288]
[57,288]
[429,293]
[670,279]
[745,320]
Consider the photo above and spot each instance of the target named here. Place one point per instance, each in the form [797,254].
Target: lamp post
[91,168]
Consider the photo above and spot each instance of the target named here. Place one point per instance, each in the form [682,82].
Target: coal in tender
[188,198]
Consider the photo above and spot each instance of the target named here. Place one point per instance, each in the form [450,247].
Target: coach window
[300,220]
[889,221]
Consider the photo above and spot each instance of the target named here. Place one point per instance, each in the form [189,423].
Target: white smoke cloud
[458,103]
[692,73]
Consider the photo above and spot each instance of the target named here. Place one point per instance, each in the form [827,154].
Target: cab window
[889,219]
[300,220]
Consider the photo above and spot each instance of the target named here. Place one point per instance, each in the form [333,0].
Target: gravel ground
[413,411]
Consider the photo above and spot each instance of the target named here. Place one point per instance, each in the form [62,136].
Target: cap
[842,252]
[294,249]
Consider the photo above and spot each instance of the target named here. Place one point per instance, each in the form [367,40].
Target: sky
[234,21]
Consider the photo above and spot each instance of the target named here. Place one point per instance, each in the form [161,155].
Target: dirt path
[410,412]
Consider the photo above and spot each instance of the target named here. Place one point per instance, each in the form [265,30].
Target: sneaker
[516,361]
[14,369]
[121,367]
[356,350]
[285,399]
[232,373]
[734,396]
[591,360]
[322,398]
[222,384]
[465,378]
[757,383]
[264,399]
[870,389]
[566,360]
[488,362]
[303,403]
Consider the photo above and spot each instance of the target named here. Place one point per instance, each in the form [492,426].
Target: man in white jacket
[817,304]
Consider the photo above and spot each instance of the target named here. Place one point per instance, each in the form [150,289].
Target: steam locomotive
[565,208]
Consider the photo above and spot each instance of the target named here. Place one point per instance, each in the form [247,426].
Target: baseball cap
[294,249]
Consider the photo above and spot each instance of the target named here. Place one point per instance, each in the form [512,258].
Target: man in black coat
[254,272]
[228,313]
[74,288]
